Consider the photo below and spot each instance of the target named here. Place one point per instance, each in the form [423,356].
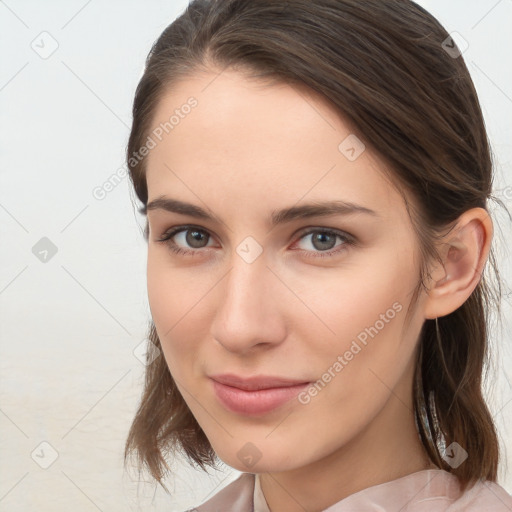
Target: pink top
[430,490]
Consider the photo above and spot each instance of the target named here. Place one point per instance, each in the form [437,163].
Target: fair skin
[244,152]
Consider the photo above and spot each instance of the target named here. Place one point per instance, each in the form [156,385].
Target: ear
[464,252]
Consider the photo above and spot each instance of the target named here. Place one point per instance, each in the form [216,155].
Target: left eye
[323,241]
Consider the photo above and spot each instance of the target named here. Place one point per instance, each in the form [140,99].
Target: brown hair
[383,66]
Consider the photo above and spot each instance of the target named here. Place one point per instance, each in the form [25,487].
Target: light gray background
[69,326]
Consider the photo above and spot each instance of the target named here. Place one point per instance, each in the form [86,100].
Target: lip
[255,395]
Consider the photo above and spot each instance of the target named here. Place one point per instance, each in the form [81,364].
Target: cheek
[364,307]
[178,300]
[336,307]
[351,298]
[161,295]
[169,299]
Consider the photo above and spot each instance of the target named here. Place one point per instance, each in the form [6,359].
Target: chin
[251,459]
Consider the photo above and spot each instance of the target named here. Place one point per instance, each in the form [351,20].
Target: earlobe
[466,249]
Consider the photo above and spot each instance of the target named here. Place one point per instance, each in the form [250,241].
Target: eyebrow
[314,209]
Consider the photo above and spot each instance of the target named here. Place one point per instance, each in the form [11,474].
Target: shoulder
[484,496]
[235,497]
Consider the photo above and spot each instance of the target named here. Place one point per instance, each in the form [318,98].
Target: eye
[321,242]
[187,240]
[188,236]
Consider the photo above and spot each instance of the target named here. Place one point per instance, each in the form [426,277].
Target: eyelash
[348,240]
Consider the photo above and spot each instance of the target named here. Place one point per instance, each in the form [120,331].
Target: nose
[250,308]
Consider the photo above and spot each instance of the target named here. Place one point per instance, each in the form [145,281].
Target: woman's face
[270,287]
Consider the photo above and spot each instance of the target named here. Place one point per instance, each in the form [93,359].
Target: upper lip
[256,382]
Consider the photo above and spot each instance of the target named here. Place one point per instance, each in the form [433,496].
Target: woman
[315,176]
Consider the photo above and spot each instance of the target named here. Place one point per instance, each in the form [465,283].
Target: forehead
[245,138]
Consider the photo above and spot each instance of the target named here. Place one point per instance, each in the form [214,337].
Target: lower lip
[255,402]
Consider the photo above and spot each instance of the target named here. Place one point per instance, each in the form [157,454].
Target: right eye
[190,239]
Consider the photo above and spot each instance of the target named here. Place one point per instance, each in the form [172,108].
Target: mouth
[254,396]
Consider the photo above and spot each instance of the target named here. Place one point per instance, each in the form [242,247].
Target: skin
[246,150]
